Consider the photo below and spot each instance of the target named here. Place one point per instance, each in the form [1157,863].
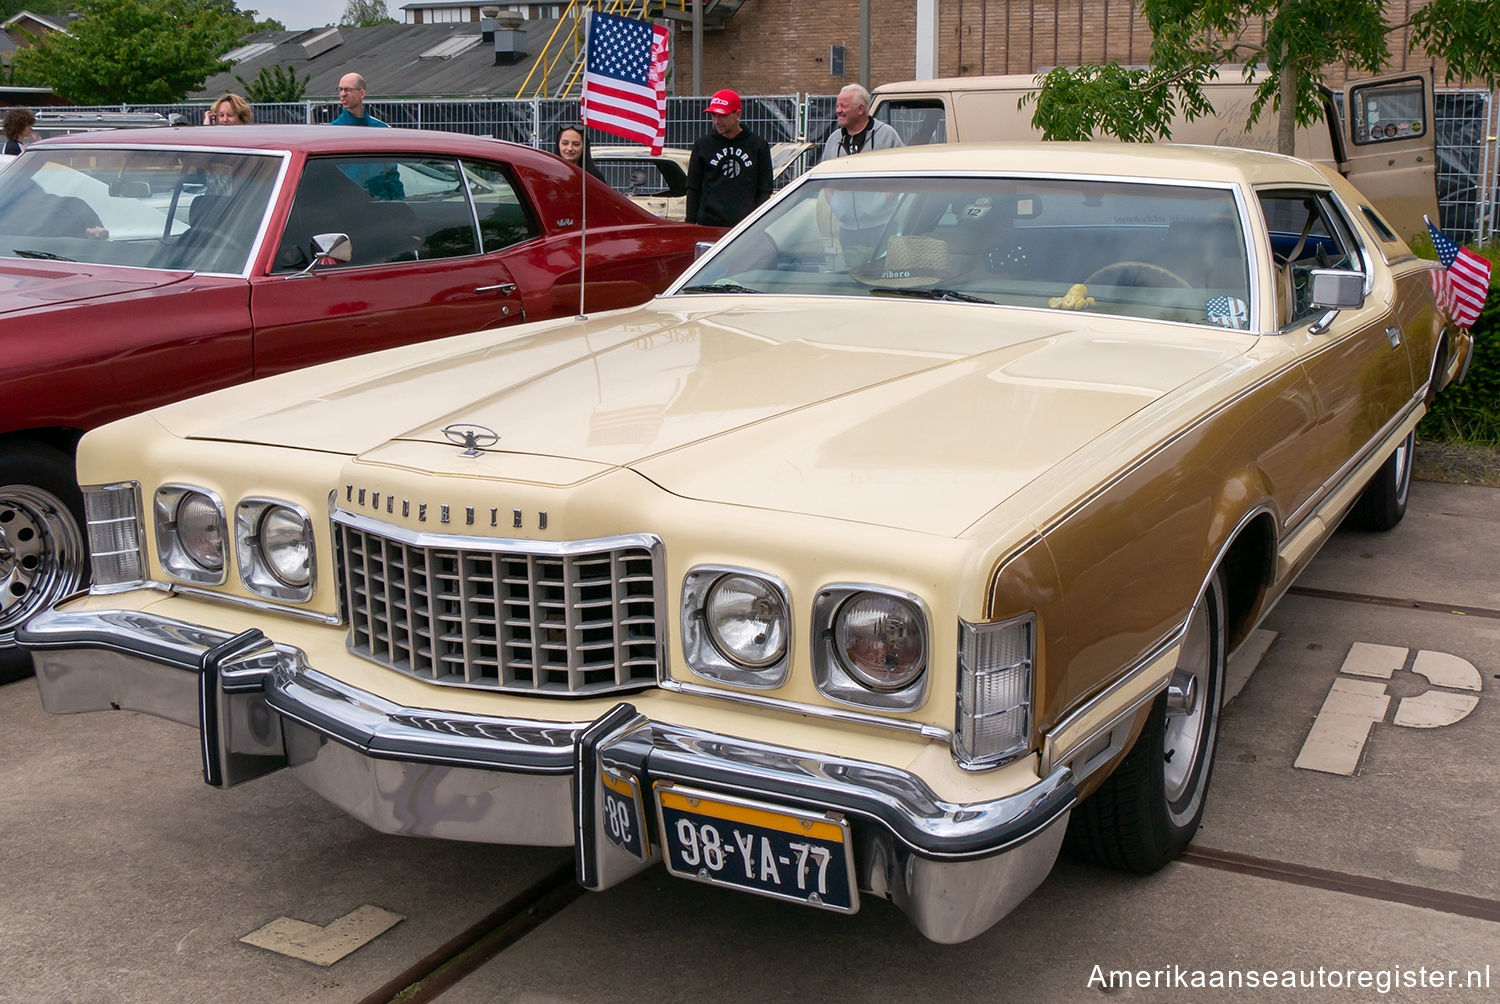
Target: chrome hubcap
[1402,460]
[41,554]
[1187,721]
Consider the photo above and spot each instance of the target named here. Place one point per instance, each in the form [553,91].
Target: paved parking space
[130,880]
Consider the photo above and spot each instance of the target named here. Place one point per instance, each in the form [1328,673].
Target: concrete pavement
[127,879]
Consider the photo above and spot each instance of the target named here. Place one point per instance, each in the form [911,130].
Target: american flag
[1464,282]
[625,79]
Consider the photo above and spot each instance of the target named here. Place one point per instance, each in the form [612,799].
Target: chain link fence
[1467,121]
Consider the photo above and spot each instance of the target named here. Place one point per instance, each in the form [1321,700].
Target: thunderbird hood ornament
[471,437]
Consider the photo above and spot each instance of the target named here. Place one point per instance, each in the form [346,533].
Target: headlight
[736,626]
[198,531]
[881,640]
[872,649]
[274,541]
[286,543]
[190,533]
[746,620]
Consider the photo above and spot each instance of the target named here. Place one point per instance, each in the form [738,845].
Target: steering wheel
[1154,274]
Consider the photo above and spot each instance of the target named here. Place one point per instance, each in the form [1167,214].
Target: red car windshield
[171,209]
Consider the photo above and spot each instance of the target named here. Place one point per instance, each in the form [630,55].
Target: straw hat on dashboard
[910,260]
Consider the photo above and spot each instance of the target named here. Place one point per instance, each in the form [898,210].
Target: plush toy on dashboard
[1076,298]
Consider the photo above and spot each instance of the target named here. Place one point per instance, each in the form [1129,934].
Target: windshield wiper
[719,287]
[930,294]
[45,255]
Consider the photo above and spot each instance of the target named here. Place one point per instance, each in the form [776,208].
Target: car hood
[821,407]
[26,285]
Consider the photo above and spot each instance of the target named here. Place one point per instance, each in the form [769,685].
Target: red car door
[419,268]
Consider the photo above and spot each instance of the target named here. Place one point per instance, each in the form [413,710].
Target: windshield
[169,209]
[1171,252]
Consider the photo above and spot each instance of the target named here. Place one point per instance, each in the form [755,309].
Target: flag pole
[583,222]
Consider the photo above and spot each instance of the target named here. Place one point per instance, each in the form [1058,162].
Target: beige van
[1383,142]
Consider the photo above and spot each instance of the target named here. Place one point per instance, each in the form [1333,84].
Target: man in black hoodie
[729,173]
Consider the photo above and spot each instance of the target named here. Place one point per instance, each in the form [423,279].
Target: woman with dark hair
[18,123]
[573,146]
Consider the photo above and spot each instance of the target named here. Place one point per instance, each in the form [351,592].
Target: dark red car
[141,267]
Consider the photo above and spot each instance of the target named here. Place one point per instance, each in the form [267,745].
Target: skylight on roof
[451,47]
[250,51]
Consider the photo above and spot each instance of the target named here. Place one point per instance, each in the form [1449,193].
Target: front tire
[1383,502]
[1147,811]
[42,553]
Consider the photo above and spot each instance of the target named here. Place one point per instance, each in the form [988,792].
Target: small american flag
[1463,284]
[625,79]
[1228,312]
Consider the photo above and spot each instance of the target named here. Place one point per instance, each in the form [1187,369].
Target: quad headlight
[274,542]
[190,533]
[736,626]
[872,646]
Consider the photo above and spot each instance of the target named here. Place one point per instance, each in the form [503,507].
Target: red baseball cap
[723,103]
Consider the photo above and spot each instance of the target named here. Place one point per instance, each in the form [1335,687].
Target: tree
[364,13]
[137,51]
[1191,40]
[273,85]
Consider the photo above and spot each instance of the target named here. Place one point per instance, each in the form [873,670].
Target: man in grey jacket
[861,216]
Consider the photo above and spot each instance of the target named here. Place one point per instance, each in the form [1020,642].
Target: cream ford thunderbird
[903,540]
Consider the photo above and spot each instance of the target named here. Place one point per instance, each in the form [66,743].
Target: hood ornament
[470,437]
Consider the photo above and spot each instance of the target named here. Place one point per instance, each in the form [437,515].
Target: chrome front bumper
[954,869]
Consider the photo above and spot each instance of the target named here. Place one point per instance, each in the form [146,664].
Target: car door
[1390,146]
[427,237]
[1358,368]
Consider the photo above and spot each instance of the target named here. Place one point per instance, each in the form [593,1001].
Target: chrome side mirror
[1332,290]
[1337,289]
[328,249]
[701,248]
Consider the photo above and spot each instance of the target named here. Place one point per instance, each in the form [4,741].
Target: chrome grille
[571,619]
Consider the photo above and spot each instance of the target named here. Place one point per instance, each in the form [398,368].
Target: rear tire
[1147,811]
[1383,503]
[42,552]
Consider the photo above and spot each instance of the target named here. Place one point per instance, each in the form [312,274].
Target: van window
[916,120]
[1386,111]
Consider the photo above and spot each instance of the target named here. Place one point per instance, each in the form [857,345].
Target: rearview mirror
[129,190]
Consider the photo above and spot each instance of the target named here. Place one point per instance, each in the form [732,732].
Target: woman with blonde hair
[229,109]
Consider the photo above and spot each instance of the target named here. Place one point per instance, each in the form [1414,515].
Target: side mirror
[701,248]
[1336,289]
[328,249]
[1332,290]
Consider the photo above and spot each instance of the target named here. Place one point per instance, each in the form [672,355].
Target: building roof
[396,60]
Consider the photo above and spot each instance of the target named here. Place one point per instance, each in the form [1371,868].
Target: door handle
[505,288]
[1393,333]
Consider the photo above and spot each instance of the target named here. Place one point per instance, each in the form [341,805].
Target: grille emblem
[470,437]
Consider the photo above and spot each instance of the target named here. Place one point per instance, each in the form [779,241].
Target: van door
[1390,146]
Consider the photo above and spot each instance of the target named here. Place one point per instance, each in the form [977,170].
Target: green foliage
[1470,413]
[364,13]
[1464,32]
[273,85]
[137,51]
[1190,38]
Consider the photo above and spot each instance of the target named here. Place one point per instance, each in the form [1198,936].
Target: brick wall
[781,46]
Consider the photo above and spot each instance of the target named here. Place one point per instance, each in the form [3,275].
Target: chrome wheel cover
[1188,733]
[41,554]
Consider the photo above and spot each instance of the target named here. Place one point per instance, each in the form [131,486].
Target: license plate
[623,825]
[805,857]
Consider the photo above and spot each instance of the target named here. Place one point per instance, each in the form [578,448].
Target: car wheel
[1383,503]
[1149,808]
[42,554]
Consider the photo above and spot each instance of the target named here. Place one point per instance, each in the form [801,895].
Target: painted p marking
[1353,706]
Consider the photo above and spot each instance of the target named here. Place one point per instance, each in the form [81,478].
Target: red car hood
[28,285]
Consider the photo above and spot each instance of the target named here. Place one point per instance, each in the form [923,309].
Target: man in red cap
[729,173]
